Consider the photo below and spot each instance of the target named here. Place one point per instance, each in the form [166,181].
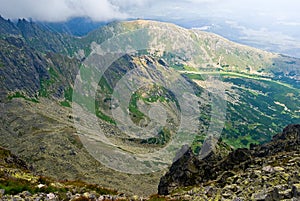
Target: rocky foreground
[18,182]
[264,172]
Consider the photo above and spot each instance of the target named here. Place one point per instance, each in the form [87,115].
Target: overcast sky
[276,22]
[281,11]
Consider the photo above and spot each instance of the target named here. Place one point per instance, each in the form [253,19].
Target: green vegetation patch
[260,104]
[194,76]
[21,95]
[68,93]
[162,138]
[189,68]
[104,117]
[46,85]
[65,104]
[136,114]
[14,186]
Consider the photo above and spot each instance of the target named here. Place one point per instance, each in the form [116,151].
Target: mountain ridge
[37,72]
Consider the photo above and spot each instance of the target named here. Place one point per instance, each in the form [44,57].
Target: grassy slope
[261,105]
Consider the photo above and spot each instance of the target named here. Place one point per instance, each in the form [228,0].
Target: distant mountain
[280,39]
[74,26]
[38,67]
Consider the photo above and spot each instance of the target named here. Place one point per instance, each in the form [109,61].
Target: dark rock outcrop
[287,141]
[7,159]
[189,170]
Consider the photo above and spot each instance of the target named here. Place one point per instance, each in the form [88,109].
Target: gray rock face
[288,140]
[27,71]
[267,172]
[189,170]
[32,59]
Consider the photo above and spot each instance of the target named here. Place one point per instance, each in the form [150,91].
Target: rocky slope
[33,47]
[212,51]
[19,181]
[263,172]
[37,72]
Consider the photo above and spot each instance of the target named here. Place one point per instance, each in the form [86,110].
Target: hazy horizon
[269,25]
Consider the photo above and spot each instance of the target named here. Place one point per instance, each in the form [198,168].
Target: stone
[17,198]
[296,159]
[255,174]
[69,194]
[232,187]
[282,187]
[86,195]
[25,194]
[270,195]
[238,199]
[210,191]
[296,190]
[226,195]
[51,196]
[278,169]
[287,194]
[41,185]
[260,196]
[135,197]
[92,196]
[2,191]
[275,194]
[268,169]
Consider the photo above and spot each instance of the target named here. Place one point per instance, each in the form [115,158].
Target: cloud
[103,10]
[60,10]
[284,23]
[129,4]
[267,38]
[201,1]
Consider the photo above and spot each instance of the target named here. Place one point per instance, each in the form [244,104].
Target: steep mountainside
[261,88]
[263,172]
[213,51]
[43,75]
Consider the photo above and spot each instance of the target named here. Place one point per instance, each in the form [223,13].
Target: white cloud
[280,18]
[129,4]
[288,23]
[269,39]
[60,10]
[102,10]
[201,1]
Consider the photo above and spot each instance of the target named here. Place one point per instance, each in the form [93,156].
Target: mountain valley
[247,95]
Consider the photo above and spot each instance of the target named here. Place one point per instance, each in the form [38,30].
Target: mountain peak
[149,22]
